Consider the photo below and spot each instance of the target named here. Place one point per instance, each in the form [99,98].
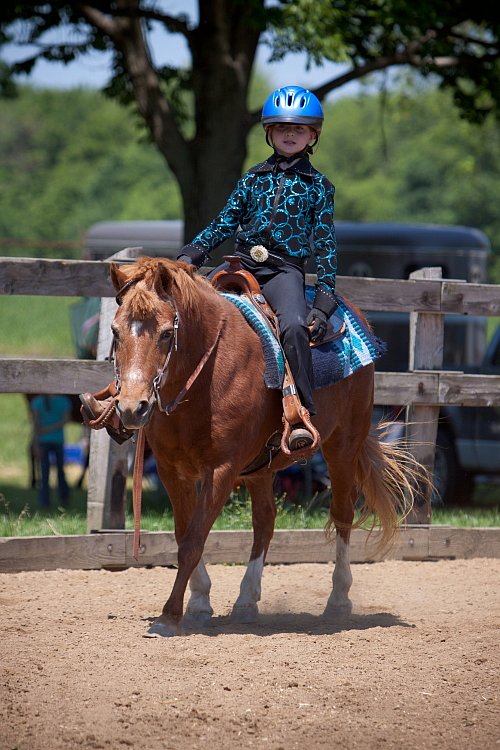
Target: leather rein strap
[172,405]
[137,489]
[139,451]
[167,409]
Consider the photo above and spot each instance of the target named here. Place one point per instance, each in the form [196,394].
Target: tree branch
[128,37]
[98,19]
[177,25]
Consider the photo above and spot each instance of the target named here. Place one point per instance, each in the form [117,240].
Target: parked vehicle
[468,440]
[468,443]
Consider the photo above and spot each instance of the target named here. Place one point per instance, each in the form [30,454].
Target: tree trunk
[223,52]
[217,155]
[223,48]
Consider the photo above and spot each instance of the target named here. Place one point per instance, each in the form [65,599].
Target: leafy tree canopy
[200,117]
[411,160]
[457,42]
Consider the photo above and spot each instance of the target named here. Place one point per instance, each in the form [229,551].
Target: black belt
[273,259]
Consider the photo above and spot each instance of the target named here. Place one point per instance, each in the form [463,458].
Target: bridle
[161,376]
[156,396]
[162,371]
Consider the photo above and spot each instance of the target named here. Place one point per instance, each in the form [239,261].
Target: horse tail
[388,479]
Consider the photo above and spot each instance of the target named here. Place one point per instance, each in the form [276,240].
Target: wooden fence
[114,550]
[423,389]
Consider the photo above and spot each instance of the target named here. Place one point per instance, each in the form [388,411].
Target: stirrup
[299,438]
[302,439]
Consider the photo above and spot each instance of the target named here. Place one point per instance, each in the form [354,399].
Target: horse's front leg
[199,609]
[263,516]
[215,489]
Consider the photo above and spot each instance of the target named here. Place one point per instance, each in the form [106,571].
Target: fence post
[108,463]
[426,353]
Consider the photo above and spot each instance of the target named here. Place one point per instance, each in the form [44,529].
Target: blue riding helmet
[293,104]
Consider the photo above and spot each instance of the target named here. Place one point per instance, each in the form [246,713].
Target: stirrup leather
[236,279]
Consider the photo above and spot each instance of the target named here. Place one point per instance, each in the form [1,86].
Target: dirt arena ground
[416,664]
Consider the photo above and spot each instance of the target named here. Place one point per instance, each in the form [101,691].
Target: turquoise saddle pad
[332,361]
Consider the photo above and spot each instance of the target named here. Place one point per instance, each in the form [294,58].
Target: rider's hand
[185,259]
[316,321]
[193,254]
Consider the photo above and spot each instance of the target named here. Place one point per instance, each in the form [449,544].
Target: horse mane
[148,277]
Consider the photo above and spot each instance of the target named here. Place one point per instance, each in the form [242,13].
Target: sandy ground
[416,665]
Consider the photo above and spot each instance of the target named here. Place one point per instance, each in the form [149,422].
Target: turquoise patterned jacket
[299,225]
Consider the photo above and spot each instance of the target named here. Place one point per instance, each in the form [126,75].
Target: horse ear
[118,278]
[163,280]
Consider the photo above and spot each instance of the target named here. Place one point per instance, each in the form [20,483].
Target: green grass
[19,515]
[40,327]
[36,326]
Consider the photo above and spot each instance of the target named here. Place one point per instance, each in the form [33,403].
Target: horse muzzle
[134,414]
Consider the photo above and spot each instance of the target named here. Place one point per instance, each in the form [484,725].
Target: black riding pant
[284,289]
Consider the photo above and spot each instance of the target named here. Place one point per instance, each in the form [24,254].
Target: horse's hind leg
[344,494]
[263,515]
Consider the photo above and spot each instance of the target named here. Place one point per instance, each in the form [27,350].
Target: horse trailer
[467,436]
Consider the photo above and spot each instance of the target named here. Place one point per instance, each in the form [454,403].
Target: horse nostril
[142,408]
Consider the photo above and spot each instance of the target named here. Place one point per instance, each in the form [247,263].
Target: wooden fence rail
[79,278]
[424,388]
[114,550]
[420,386]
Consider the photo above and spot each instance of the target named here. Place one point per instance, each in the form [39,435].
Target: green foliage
[404,156]
[455,43]
[195,112]
[407,156]
[66,172]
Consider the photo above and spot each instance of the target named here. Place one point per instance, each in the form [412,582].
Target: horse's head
[145,331]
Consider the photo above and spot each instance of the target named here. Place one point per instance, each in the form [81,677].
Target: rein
[166,409]
[137,489]
[172,405]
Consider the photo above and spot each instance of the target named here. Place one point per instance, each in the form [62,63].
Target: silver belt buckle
[259,253]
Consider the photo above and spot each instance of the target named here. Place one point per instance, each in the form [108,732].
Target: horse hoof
[197,619]
[162,630]
[245,615]
[338,607]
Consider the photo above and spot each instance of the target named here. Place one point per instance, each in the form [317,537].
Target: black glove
[316,320]
[325,301]
[185,259]
[193,254]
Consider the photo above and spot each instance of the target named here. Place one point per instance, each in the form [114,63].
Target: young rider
[281,211]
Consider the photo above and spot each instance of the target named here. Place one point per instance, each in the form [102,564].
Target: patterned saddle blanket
[332,361]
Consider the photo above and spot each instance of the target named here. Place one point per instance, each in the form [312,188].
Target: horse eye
[165,334]
[115,333]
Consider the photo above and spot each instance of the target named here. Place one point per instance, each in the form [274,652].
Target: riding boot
[93,409]
[300,437]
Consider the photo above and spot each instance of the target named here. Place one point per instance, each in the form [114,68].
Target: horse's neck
[199,328]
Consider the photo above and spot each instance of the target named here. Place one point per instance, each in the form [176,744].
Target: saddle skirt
[333,360]
[273,353]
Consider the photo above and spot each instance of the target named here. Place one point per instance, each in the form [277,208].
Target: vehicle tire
[452,485]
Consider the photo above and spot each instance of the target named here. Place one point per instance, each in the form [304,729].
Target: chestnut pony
[172,332]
